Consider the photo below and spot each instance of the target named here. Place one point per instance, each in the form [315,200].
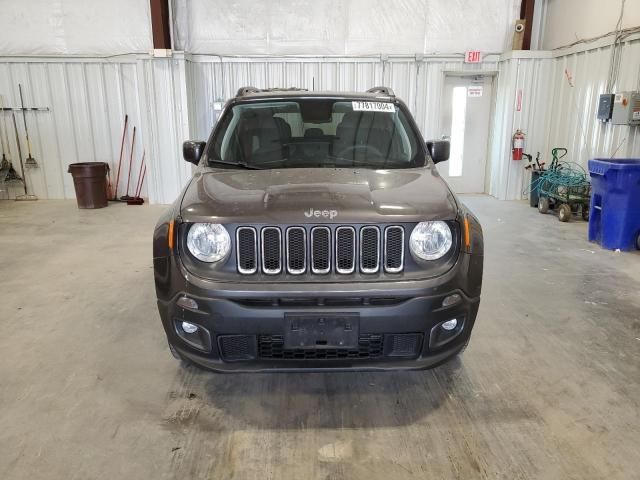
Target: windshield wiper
[234,164]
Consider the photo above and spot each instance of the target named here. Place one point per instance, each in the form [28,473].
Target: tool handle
[24,120]
[144,172]
[140,172]
[124,133]
[133,143]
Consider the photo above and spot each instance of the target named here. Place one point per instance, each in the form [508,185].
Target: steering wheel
[350,152]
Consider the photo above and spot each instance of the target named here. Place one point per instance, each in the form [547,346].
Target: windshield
[312,133]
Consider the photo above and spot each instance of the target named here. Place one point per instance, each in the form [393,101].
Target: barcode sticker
[359,106]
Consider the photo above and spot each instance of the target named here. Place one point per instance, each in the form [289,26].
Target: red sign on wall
[473,56]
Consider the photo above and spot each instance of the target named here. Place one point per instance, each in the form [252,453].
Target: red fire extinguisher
[517,145]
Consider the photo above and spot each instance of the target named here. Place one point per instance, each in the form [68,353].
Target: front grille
[402,344]
[272,347]
[320,250]
[394,251]
[296,250]
[237,347]
[345,250]
[271,250]
[369,250]
[247,250]
[319,301]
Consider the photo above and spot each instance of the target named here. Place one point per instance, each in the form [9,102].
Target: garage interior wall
[566,21]
[90,81]
[552,95]
[90,65]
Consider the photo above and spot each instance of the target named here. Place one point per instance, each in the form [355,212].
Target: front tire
[543,205]
[564,213]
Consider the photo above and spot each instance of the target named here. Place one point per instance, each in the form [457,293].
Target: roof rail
[242,91]
[249,90]
[282,89]
[383,90]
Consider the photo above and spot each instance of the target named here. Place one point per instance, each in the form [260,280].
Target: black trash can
[534,191]
[90,182]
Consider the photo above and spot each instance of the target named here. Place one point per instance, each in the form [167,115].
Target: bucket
[90,182]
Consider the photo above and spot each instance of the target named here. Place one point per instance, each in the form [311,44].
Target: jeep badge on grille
[330,214]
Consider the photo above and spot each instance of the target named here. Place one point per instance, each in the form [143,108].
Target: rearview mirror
[192,151]
[439,150]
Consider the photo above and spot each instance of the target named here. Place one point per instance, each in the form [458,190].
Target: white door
[466,115]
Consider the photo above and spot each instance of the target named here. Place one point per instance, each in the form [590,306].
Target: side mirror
[192,151]
[439,150]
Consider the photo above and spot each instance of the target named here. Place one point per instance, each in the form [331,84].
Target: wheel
[585,213]
[564,213]
[638,242]
[543,205]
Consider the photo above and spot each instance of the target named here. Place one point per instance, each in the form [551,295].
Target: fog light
[191,328]
[451,300]
[448,325]
[186,302]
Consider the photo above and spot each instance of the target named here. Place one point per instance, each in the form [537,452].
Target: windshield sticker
[359,106]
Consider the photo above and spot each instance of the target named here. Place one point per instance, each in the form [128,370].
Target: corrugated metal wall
[88,99]
[170,100]
[555,114]
[173,99]
[418,83]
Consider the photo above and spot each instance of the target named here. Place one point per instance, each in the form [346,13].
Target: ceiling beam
[160,24]
[526,13]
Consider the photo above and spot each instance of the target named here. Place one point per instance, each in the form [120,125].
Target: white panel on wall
[333,27]
[165,118]
[569,20]
[88,100]
[71,27]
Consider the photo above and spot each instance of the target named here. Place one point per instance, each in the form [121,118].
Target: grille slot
[406,345]
[345,250]
[320,250]
[393,249]
[247,250]
[369,249]
[271,250]
[272,347]
[296,250]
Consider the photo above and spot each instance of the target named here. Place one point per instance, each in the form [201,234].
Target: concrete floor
[548,389]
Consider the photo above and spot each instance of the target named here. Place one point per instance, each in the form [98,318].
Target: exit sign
[473,56]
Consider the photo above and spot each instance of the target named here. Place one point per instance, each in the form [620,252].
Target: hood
[317,195]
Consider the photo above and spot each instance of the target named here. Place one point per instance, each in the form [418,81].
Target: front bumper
[242,324]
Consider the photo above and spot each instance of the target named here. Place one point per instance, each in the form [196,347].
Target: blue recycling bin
[614,215]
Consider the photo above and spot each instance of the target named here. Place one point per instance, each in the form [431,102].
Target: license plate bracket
[321,331]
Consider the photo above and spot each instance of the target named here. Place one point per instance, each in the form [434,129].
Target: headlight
[430,240]
[208,242]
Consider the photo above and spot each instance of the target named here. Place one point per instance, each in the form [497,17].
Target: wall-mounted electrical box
[605,107]
[626,109]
